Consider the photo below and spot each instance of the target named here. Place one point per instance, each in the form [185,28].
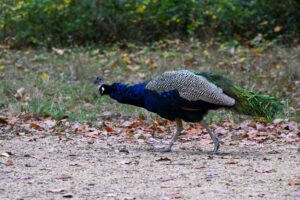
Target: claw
[214,139]
[216,146]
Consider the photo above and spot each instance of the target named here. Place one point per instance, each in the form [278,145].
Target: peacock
[184,95]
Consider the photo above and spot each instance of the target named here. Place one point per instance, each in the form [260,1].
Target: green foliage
[68,21]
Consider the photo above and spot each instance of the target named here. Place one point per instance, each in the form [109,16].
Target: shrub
[69,21]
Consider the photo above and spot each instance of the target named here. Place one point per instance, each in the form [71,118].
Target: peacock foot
[217,143]
[164,149]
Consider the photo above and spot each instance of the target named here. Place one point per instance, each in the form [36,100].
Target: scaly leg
[179,128]
[213,137]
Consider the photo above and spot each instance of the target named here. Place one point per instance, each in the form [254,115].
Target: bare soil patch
[80,167]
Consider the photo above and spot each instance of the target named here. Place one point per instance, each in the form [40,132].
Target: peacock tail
[246,102]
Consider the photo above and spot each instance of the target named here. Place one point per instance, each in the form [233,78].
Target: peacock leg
[179,129]
[213,137]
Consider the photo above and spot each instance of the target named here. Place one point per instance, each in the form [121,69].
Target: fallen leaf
[114,63]
[277,29]
[163,158]
[211,174]
[20,93]
[133,67]
[3,120]
[126,162]
[278,66]
[21,133]
[206,53]
[4,154]
[265,22]
[13,120]
[9,163]
[151,63]
[232,162]
[64,177]
[50,123]
[293,182]
[165,178]
[289,126]
[44,76]
[220,131]
[277,121]
[267,170]
[58,51]
[126,58]
[56,191]
[260,127]
[2,67]
[36,126]
[109,129]
[68,195]
[124,150]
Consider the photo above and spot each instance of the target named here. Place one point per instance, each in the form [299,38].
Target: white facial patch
[102,90]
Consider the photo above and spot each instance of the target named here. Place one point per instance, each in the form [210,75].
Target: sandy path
[56,167]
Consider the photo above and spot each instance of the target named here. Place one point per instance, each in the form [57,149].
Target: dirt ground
[78,167]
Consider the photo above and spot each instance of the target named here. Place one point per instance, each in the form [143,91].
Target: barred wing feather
[190,86]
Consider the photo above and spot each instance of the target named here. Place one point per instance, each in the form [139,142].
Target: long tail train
[247,102]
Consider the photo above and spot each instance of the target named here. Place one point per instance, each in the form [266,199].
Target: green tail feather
[249,103]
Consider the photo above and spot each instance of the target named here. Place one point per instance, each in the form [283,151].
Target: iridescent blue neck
[133,94]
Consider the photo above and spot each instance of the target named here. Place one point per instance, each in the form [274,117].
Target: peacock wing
[190,86]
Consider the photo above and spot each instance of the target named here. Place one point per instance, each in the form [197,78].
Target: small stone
[68,195]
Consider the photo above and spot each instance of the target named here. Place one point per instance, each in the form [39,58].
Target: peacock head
[102,87]
[100,83]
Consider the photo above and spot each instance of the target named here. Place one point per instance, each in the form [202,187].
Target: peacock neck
[133,94]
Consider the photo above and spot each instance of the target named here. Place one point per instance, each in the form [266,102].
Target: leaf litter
[139,129]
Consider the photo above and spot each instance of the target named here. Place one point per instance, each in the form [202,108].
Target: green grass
[62,85]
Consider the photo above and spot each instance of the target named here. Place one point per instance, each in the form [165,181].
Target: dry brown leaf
[36,126]
[126,162]
[126,58]
[64,177]
[109,129]
[9,163]
[13,120]
[163,158]
[68,195]
[267,170]
[3,120]
[293,182]
[115,63]
[232,162]
[165,178]
[277,29]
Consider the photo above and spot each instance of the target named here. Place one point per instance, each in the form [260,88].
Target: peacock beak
[99,82]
